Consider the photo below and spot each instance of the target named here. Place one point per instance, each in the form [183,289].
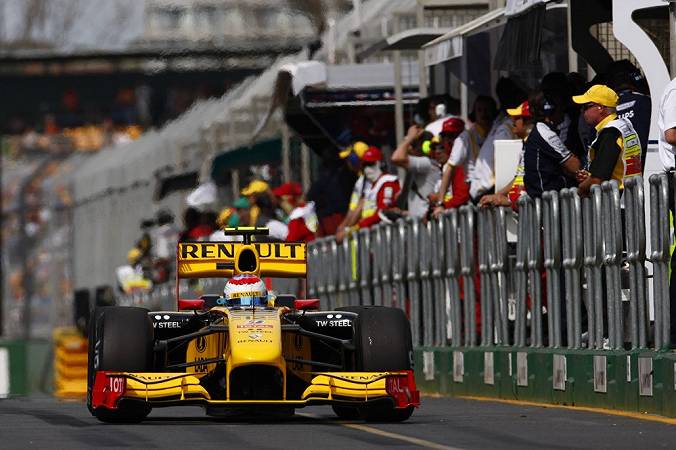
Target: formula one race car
[228,353]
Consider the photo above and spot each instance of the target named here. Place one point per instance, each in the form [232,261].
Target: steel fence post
[499,275]
[552,264]
[440,291]
[334,276]
[322,278]
[452,252]
[467,269]
[593,250]
[521,269]
[660,239]
[534,272]
[483,236]
[635,245]
[377,247]
[427,300]
[412,276]
[573,238]
[343,266]
[364,265]
[399,262]
[386,235]
[612,258]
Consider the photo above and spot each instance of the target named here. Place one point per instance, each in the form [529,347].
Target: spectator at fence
[353,157]
[383,192]
[267,217]
[616,151]
[227,218]
[666,123]
[195,226]
[424,170]
[456,191]
[557,86]
[253,191]
[242,210]
[482,178]
[444,107]
[302,224]
[330,192]
[508,195]
[165,238]
[466,147]
[548,164]
[130,276]
[633,104]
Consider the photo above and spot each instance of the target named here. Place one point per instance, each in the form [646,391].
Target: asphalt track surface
[441,423]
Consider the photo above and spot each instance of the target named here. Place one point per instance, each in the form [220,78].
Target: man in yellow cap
[616,152]
[251,191]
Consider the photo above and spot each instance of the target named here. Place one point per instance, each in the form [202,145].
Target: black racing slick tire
[120,339]
[382,340]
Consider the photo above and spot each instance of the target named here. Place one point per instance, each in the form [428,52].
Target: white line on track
[399,437]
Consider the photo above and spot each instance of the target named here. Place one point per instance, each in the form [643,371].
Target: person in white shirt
[466,147]
[482,179]
[666,123]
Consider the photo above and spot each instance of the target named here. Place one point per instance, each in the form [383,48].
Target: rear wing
[226,259]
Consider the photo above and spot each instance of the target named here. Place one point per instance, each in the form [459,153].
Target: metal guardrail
[577,277]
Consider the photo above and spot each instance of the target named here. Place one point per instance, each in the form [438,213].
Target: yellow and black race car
[280,357]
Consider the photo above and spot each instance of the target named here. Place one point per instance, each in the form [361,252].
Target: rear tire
[382,340]
[121,340]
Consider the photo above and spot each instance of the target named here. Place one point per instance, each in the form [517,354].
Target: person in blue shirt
[633,103]
[548,164]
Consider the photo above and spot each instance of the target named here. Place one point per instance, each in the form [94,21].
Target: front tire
[382,339]
[120,340]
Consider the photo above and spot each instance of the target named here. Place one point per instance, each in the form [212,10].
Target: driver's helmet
[245,290]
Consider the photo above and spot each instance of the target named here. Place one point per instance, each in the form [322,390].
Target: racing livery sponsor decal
[166,325]
[257,323]
[368,377]
[201,344]
[117,384]
[201,367]
[334,321]
[164,321]
[228,250]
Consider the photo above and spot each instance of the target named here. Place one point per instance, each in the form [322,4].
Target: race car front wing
[169,389]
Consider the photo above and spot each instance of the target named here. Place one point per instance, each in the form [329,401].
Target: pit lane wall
[25,367]
[637,381]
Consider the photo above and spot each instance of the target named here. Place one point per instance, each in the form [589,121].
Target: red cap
[373,154]
[453,125]
[291,188]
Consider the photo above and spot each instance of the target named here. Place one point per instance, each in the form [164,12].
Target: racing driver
[245,290]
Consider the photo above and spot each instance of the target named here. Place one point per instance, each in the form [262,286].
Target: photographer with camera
[414,154]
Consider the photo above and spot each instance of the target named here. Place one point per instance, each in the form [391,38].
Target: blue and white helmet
[245,290]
